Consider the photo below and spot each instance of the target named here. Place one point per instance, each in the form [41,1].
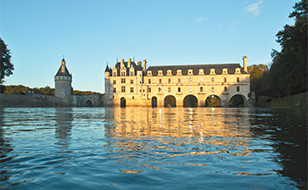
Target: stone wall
[294,101]
[35,100]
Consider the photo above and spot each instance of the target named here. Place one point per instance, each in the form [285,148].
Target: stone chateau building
[133,84]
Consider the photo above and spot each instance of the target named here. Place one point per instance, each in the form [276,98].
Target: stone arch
[169,101]
[88,103]
[154,102]
[213,101]
[190,101]
[122,102]
[238,100]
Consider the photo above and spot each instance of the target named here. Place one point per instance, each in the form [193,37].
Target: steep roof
[66,73]
[218,68]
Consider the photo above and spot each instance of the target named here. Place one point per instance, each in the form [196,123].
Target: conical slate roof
[65,73]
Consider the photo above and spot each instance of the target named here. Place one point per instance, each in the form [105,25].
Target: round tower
[63,84]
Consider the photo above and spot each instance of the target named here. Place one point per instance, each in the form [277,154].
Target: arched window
[169,81]
[225,89]
[179,80]
[159,81]
[201,89]
[212,89]
[212,79]
[237,79]
[179,89]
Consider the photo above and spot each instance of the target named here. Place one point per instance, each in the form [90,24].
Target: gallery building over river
[133,84]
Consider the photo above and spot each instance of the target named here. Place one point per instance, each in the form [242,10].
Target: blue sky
[165,32]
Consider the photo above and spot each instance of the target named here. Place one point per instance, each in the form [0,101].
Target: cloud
[254,8]
[199,19]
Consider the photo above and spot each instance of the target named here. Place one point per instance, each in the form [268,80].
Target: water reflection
[155,134]
[63,118]
[5,150]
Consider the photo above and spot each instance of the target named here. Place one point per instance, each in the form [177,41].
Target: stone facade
[131,84]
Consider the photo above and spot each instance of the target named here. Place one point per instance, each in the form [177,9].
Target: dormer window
[160,72]
[169,72]
[115,73]
[132,73]
[225,71]
[201,71]
[179,72]
[190,72]
[237,71]
[123,73]
[212,71]
[149,73]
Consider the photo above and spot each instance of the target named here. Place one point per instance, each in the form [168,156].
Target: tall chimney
[128,62]
[245,63]
[122,63]
[144,64]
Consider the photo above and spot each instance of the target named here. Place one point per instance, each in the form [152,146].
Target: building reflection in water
[167,133]
[63,118]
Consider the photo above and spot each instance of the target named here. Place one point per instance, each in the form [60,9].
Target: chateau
[133,84]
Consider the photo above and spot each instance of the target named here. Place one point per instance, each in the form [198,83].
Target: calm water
[145,148]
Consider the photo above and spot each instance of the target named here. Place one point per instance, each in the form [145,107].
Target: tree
[288,73]
[6,67]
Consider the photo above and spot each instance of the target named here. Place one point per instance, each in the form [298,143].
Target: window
[179,72]
[143,90]
[237,88]
[212,89]
[190,80]
[132,81]
[179,80]
[122,80]
[190,71]
[114,90]
[212,79]
[122,73]
[201,89]
[160,72]
[190,89]
[225,71]
[159,89]
[131,89]
[169,81]
[225,89]
[122,88]
[132,73]
[169,89]
[225,79]
[179,89]
[201,71]
[238,79]
[149,81]
[133,97]
[114,73]
[114,81]
[149,90]
[212,71]
[237,71]
[150,73]
[159,80]
[169,72]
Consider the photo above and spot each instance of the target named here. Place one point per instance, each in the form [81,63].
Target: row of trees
[288,72]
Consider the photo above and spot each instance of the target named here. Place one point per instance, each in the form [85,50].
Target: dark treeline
[288,72]
[24,90]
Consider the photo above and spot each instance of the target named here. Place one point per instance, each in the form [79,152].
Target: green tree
[288,73]
[6,67]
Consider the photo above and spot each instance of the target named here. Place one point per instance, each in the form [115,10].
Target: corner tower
[63,84]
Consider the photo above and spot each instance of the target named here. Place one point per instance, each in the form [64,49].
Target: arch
[169,101]
[237,100]
[213,101]
[154,102]
[122,102]
[88,103]
[190,101]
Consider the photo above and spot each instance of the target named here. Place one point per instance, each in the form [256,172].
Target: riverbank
[294,101]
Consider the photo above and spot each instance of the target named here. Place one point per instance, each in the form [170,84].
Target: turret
[63,83]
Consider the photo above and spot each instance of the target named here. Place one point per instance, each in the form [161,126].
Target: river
[153,148]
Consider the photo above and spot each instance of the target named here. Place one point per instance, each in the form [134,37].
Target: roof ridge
[196,65]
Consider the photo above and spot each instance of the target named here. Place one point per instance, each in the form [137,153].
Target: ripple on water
[112,148]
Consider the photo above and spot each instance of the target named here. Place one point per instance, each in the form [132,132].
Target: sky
[90,34]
